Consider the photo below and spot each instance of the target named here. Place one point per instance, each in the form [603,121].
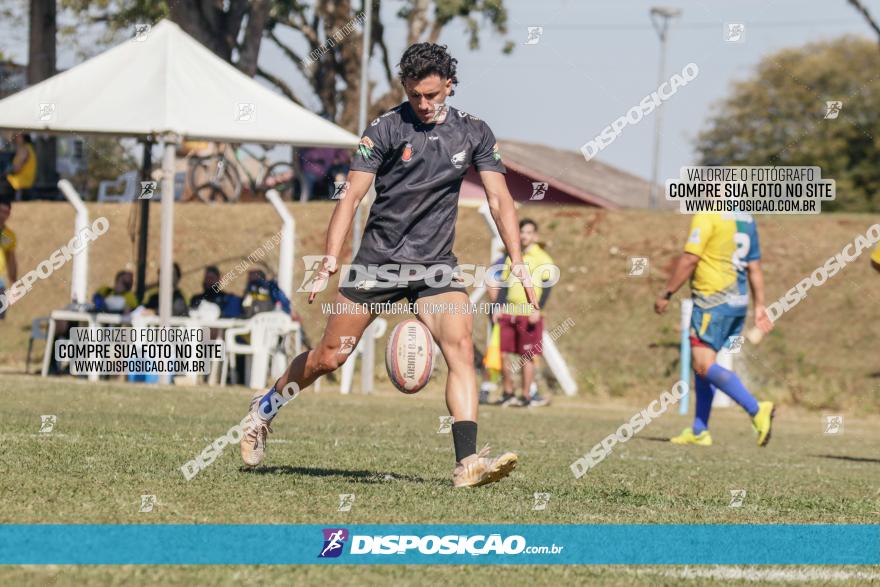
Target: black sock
[464,436]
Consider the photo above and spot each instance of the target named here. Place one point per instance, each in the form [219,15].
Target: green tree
[777,117]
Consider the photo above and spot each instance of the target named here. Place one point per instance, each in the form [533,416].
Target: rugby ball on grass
[409,356]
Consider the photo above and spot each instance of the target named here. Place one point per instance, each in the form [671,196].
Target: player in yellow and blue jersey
[722,259]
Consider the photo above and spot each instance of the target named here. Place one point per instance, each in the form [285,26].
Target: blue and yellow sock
[729,383]
[705,393]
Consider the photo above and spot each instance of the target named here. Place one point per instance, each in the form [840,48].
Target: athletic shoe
[538,401]
[513,401]
[480,469]
[504,398]
[254,433]
[687,436]
[763,421]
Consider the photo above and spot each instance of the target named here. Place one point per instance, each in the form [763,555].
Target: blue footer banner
[159,544]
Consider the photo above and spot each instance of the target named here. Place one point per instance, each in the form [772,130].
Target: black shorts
[389,295]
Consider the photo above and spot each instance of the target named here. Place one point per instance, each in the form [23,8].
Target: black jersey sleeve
[373,147]
[487,156]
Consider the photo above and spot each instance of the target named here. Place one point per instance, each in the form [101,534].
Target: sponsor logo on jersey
[365,147]
[463,114]
[694,238]
[407,152]
[375,122]
[458,159]
[496,153]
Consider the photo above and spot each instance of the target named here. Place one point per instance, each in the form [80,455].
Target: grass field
[113,443]
[820,355]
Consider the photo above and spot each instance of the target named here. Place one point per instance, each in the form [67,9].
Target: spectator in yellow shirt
[522,329]
[118,299]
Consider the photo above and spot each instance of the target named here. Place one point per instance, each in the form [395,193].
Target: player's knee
[701,368]
[462,349]
[328,360]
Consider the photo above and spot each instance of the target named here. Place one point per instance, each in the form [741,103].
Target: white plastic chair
[266,330]
[128,182]
[39,331]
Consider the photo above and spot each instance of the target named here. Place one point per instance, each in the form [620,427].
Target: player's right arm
[371,153]
[684,268]
[701,230]
[359,183]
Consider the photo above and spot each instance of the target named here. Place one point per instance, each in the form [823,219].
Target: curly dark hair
[422,59]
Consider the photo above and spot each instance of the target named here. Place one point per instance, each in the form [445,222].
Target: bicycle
[218,177]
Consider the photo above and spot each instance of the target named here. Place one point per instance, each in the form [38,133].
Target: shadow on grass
[355,476]
[653,438]
[846,458]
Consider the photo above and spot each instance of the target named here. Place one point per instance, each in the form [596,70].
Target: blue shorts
[714,329]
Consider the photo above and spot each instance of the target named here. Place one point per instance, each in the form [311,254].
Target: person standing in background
[522,327]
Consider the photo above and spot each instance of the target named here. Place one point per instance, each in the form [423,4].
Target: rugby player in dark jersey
[418,154]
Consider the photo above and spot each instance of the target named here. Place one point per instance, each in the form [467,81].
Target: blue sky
[596,59]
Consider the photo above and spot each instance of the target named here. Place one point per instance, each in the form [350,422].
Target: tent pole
[166,269]
[368,353]
[144,229]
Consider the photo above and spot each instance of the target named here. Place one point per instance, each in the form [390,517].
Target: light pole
[660,16]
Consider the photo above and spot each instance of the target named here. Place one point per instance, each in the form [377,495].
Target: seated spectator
[262,295]
[118,299]
[178,303]
[230,304]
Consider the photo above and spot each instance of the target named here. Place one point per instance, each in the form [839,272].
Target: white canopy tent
[166,85]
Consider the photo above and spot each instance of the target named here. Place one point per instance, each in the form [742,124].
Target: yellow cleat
[687,436]
[763,421]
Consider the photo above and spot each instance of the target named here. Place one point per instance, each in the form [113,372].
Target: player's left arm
[756,283]
[504,214]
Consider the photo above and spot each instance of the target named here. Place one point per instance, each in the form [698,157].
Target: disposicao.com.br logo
[454,544]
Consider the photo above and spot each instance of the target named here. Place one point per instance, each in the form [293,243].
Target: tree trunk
[41,42]
[253,36]
[41,66]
